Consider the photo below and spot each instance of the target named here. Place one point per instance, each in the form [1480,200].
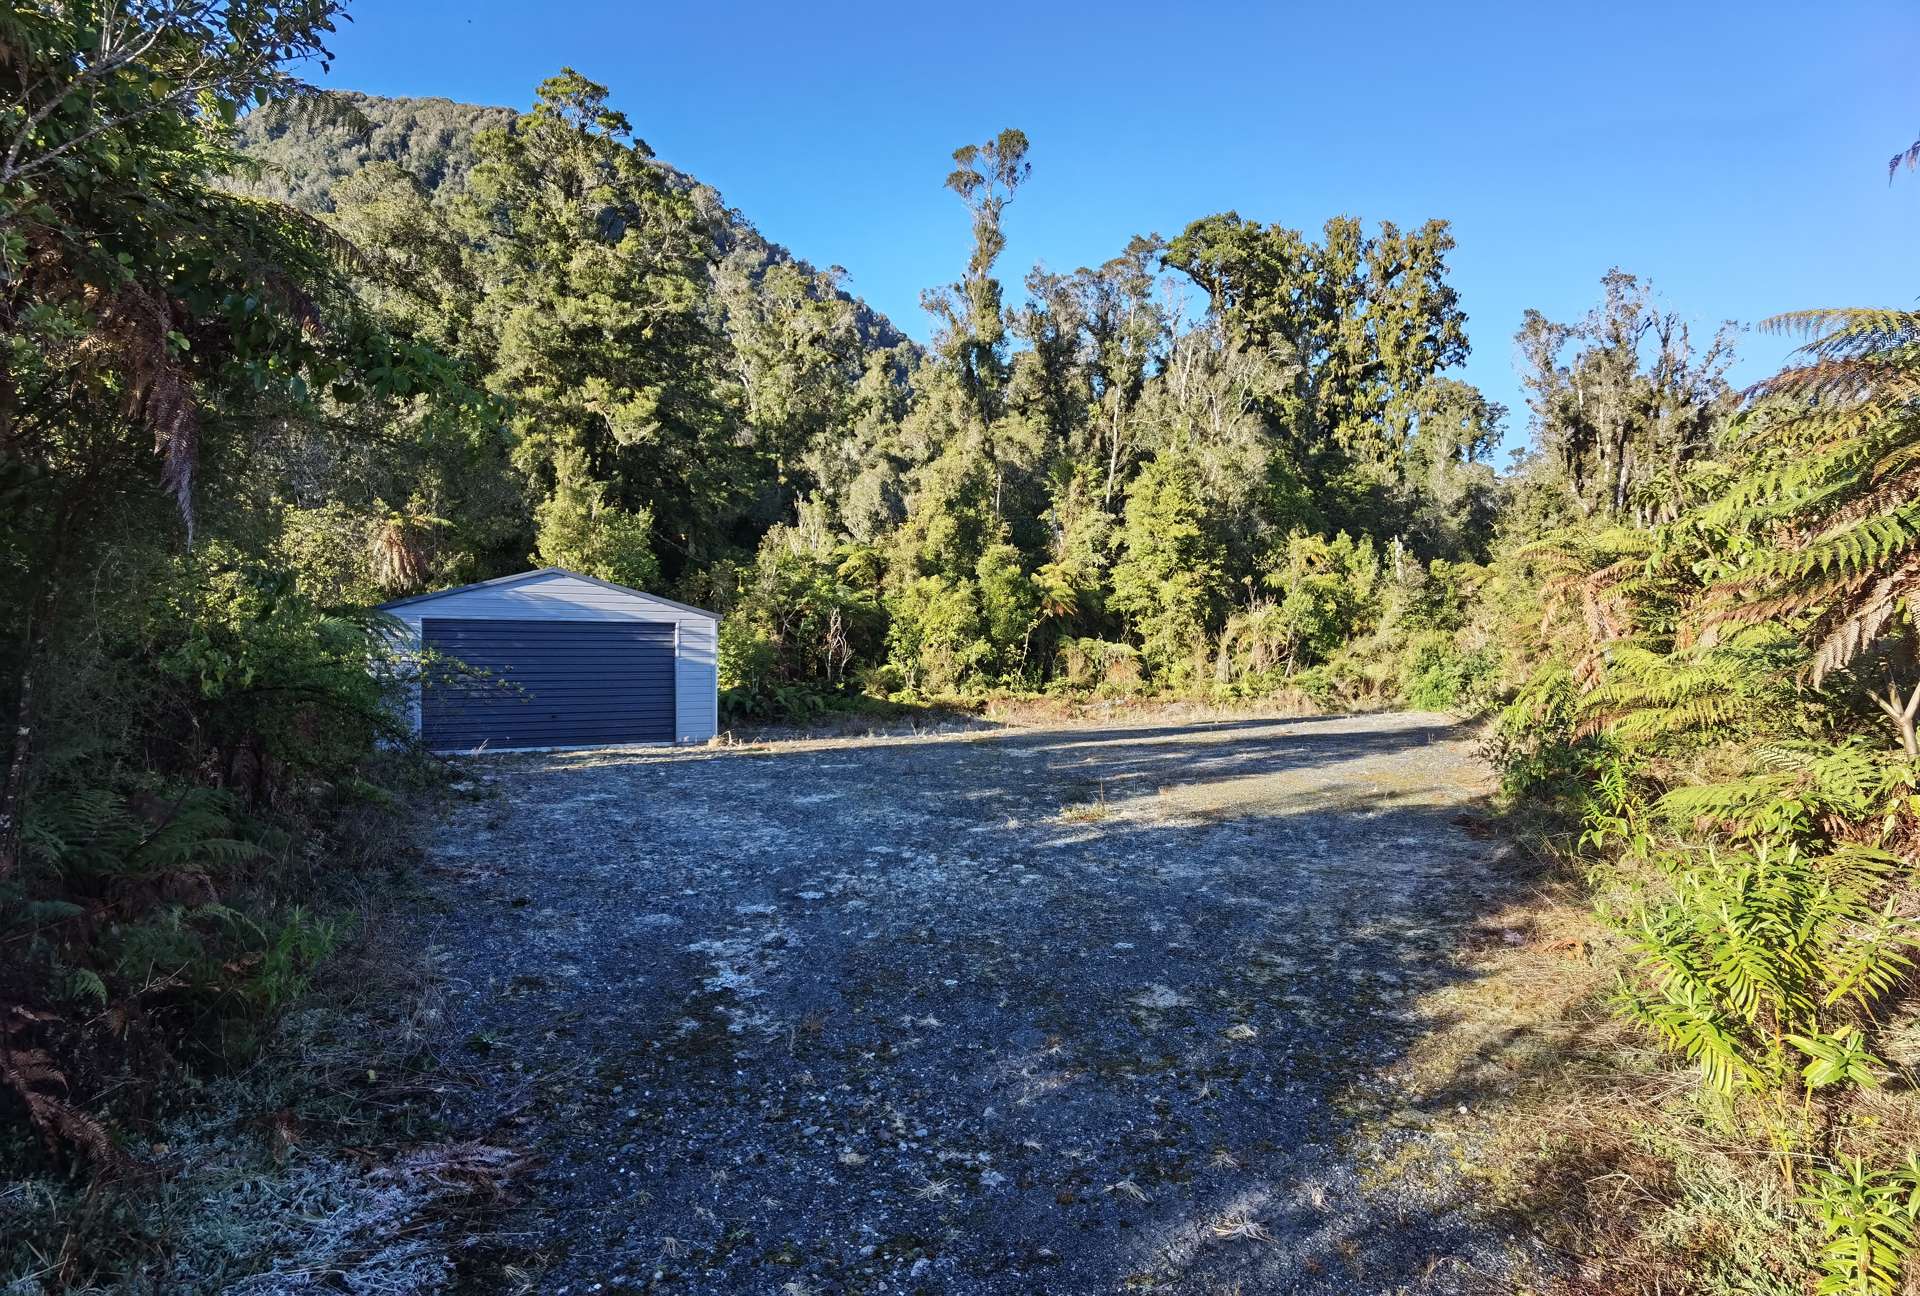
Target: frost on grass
[232,1220]
[372,1233]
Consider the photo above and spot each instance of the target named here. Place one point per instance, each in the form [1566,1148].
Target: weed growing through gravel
[1240,1227]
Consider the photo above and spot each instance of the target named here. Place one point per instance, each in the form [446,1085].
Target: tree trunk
[1904,714]
[13,791]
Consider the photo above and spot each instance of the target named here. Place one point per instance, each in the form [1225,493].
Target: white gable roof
[545,591]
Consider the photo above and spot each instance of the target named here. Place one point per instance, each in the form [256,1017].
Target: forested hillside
[1192,462]
[1232,462]
[305,150]
[299,152]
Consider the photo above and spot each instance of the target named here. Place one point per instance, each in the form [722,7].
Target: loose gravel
[1065,1010]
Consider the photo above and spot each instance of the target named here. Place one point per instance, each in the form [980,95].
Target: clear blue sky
[1733,153]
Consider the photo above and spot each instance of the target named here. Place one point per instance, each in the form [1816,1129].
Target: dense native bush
[156,918]
[1438,675]
[1704,713]
[187,720]
[679,399]
[803,621]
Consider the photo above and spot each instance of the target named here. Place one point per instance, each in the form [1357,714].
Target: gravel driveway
[1039,1011]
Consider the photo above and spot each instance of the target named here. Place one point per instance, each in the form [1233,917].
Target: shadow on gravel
[1064,1011]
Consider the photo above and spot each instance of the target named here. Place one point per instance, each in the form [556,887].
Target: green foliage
[187,708]
[306,153]
[1743,960]
[676,391]
[1328,592]
[1703,705]
[1623,416]
[802,618]
[577,529]
[593,325]
[93,835]
[272,679]
[1694,695]
[1009,606]
[1435,675]
[1794,788]
[1867,1217]
[934,633]
[1167,574]
[1835,502]
[202,975]
[1359,323]
[1100,664]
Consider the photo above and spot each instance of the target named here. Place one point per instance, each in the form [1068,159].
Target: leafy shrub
[1435,675]
[1867,1218]
[1100,664]
[579,529]
[1328,593]
[269,686]
[151,920]
[747,665]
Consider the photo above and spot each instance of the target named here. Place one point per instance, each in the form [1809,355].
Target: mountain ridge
[305,148]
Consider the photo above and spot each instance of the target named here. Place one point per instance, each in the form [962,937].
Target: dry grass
[479,1169]
[1585,1135]
[1237,1226]
[935,1190]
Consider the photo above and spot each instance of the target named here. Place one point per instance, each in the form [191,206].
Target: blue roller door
[501,683]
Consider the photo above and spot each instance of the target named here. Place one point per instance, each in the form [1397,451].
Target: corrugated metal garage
[551,658]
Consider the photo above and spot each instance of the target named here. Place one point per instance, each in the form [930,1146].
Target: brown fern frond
[1850,628]
[140,324]
[399,556]
[1893,490]
[1908,157]
[1723,611]
[1877,386]
[30,1072]
[1588,671]
[1843,321]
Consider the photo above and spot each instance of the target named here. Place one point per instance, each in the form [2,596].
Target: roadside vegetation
[247,396]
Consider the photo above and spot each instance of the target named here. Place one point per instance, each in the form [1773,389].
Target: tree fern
[95,831]
[1844,559]
[1794,785]
[1648,696]
[1750,948]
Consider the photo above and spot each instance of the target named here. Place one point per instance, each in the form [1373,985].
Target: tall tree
[155,324]
[1352,327]
[1623,401]
[594,270]
[799,358]
[973,335]
[1167,577]
[1098,335]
